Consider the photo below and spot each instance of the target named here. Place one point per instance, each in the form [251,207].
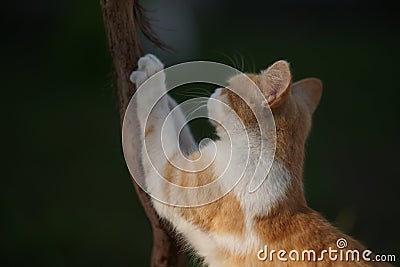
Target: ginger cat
[243,228]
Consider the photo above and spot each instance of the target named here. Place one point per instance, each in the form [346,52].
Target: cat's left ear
[310,91]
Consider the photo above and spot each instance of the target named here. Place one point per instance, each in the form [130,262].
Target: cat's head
[292,106]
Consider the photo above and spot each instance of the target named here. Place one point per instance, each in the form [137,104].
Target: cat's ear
[310,91]
[275,82]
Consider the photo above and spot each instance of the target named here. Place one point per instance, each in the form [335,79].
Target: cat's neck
[283,181]
[289,154]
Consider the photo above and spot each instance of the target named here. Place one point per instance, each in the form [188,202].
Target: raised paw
[148,65]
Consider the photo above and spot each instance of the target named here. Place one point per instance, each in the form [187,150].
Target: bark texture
[122,21]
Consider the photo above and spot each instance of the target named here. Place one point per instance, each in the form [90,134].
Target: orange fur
[222,216]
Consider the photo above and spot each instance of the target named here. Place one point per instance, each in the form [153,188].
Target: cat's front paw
[148,65]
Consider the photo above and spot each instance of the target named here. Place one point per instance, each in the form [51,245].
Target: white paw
[148,65]
[138,77]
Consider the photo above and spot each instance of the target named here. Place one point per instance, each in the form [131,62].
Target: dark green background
[67,199]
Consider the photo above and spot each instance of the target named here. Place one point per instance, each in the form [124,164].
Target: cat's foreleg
[162,136]
[150,117]
[186,140]
[152,109]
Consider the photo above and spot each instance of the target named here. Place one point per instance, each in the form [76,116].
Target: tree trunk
[122,18]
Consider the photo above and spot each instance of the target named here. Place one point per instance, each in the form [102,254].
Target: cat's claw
[148,65]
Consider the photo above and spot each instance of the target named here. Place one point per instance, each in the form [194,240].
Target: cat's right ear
[275,83]
[310,91]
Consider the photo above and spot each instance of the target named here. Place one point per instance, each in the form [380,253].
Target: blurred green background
[67,198]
